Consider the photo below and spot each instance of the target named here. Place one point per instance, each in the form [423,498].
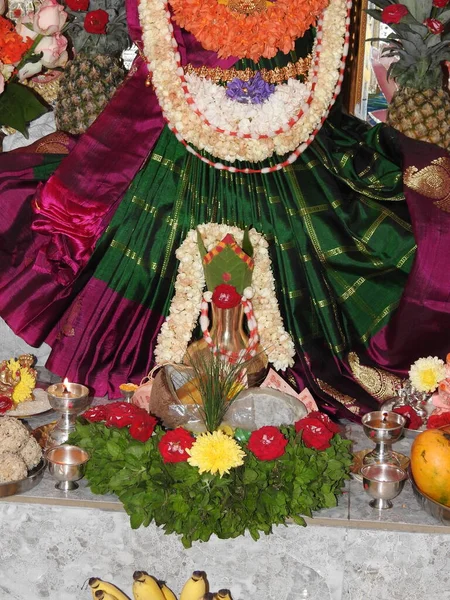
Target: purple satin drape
[421,323]
[77,202]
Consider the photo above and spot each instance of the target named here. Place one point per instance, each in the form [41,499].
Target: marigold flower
[215,453]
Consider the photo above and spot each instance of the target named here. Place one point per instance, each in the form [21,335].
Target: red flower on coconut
[325,419]
[96,21]
[173,445]
[267,443]
[394,13]
[226,296]
[440,3]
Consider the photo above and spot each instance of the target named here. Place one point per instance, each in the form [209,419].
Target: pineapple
[420,108]
[85,88]
[92,77]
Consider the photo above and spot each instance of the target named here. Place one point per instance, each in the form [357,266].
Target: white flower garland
[176,331]
[247,119]
[186,120]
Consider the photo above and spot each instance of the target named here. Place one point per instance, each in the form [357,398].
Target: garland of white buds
[176,331]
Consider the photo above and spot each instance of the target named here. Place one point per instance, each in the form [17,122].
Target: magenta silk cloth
[78,201]
[57,229]
[421,323]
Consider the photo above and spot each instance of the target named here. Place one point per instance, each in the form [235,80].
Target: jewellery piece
[275,76]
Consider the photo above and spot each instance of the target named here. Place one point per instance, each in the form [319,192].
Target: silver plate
[435,509]
[408,433]
[11,488]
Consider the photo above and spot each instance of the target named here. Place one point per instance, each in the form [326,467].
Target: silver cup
[383,428]
[383,482]
[67,464]
[70,400]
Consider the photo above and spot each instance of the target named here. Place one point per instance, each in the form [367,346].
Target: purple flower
[253,91]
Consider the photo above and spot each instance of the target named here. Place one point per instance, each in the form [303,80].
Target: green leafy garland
[253,497]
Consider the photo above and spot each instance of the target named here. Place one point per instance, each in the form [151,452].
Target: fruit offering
[147,587]
[430,463]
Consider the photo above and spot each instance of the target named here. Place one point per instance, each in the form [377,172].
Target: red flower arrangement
[5,404]
[77,5]
[173,445]
[413,421]
[435,421]
[394,13]
[317,430]
[267,443]
[435,26]
[122,414]
[96,21]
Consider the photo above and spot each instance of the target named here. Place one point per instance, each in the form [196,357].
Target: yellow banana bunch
[168,594]
[146,587]
[223,595]
[195,587]
[98,585]
[101,595]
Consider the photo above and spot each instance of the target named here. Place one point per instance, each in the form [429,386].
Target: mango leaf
[19,106]
[228,262]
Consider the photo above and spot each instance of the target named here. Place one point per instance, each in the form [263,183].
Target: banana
[97,584]
[101,595]
[195,587]
[145,587]
[167,592]
[224,595]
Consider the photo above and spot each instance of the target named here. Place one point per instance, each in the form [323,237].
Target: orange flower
[252,36]
[12,47]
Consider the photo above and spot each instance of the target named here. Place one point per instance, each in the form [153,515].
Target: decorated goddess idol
[227,133]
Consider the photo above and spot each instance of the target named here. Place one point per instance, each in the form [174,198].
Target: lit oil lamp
[383,428]
[70,400]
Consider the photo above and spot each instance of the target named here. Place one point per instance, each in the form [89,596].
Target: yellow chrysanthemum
[27,382]
[215,453]
[426,373]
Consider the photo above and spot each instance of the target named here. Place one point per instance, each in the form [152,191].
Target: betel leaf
[19,106]
[252,498]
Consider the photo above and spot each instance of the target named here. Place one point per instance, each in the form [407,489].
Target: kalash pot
[227,333]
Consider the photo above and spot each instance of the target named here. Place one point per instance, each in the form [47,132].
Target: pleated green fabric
[339,232]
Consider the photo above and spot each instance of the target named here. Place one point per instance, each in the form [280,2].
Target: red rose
[314,433]
[173,444]
[394,13]
[413,421]
[267,443]
[226,296]
[95,21]
[122,414]
[5,404]
[142,427]
[77,4]
[434,26]
[325,419]
[435,421]
[96,413]
[440,3]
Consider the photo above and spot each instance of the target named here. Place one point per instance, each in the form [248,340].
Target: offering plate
[11,488]
[435,509]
